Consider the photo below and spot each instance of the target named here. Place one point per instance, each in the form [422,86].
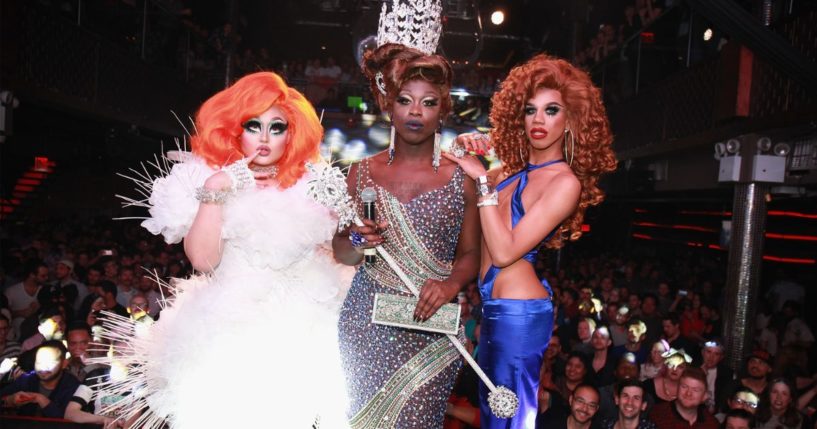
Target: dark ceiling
[316,28]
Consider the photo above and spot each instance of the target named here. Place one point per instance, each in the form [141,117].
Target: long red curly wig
[219,120]
[587,119]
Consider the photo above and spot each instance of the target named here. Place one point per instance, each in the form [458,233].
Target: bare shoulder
[562,186]
[567,180]
[565,185]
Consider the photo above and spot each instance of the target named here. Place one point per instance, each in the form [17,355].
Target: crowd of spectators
[624,322]
[57,283]
[640,338]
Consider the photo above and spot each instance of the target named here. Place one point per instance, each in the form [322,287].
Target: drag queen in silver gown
[427,220]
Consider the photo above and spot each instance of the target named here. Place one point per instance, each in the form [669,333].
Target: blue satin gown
[515,333]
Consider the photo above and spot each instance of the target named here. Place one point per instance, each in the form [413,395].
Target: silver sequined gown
[399,378]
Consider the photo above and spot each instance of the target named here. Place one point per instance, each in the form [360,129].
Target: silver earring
[391,146]
[522,156]
[435,160]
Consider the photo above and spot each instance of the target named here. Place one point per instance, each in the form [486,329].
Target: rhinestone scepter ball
[503,402]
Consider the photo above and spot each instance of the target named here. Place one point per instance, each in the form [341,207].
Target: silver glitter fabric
[503,402]
[400,378]
[327,185]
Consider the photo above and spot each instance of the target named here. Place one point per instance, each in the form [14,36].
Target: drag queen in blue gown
[553,147]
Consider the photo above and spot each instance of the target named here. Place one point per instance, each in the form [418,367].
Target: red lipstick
[538,133]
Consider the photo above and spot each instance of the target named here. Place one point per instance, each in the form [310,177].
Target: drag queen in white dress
[252,340]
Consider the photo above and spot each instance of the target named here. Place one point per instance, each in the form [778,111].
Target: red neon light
[34,175]
[643,236]
[716,247]
[41,163]
[791,237]
[694,228]
[706,213]
[31,182]
[23,188]
[791,214]
[789,260]
[585,227]
[688,227]
[648,37]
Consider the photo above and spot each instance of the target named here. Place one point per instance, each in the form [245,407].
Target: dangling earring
[569,160]
[522,156]
[564,144]
[391,146]
[435,160]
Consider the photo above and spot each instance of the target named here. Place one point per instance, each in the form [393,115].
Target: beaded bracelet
[212,196]
[491,199]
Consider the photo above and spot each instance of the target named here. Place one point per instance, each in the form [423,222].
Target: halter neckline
[532,167]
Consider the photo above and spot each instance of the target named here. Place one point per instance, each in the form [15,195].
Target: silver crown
[413,23]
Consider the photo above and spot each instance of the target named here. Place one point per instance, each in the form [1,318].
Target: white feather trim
[173,204]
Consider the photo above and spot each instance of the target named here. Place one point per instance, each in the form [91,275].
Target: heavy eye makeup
[550,110]
[430,102]
[255,126]
[427,102]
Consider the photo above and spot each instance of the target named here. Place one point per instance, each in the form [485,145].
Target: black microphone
[368,196]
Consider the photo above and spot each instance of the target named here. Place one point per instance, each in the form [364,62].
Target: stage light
[707,34]
[720,150]
[733,146]
[782,149]
[498,17]
[764,144]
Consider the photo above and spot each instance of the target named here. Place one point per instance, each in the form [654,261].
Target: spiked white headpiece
[413,23]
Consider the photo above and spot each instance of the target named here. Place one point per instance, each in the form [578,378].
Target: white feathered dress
[254,343]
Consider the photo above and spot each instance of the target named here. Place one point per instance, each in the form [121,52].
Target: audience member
[778,407]
[687,411]
[22,297]
[46,390]
[631,402]
[719,377]
[665,386]
[738,419]
[744,399]
[584,403]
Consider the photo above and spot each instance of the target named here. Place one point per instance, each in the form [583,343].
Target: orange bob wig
[219,124]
